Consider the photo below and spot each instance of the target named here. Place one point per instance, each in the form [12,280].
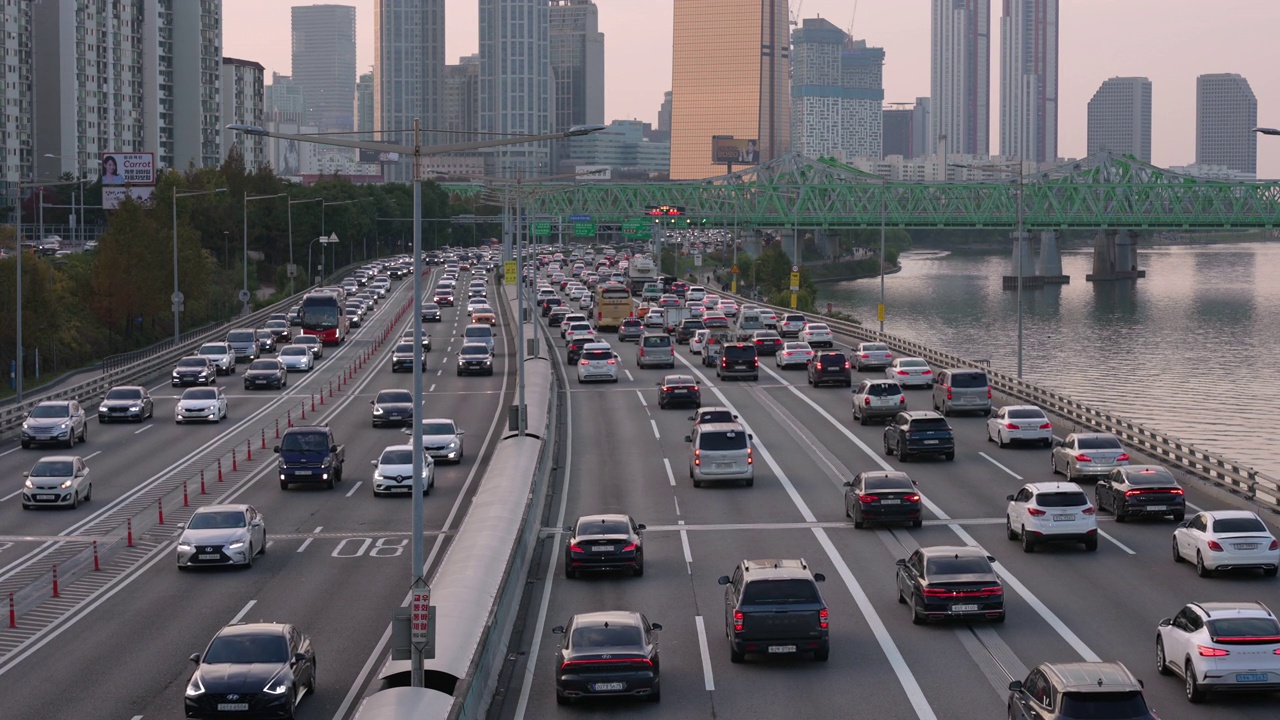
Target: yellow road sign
[509,273]
[795,281]
[734,270]
[880,312]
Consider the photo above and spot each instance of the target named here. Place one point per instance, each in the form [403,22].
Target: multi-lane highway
[1063,604]
[337,563]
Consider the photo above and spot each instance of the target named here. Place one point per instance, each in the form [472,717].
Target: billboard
[731,151]
[128,168]
[376,156]
[291,158]
[593,172]
[112,196]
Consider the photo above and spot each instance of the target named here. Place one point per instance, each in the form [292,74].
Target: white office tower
[1120,117]
[1029,80]
[1226,113]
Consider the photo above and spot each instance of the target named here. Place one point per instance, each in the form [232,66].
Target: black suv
[830,367]
[739,360]
[687,329]
[1076,691]
[920,432]
[773,607]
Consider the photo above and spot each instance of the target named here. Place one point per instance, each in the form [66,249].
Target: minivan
[748,323]
[962,390]
[656,350]
[479,333]
[244,343]
[740,360]
[720,452]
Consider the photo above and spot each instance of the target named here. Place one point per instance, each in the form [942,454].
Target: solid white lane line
[641,396]
[628,372]
[671,477]
[995,462]
[1043,610]
[354,488]
[307,542]
[707,680]
[1118,544]
[1193,506]
[243,611]
[6,452]
[688,553]
[654,423]
[15,492]
[143,429]
[906,678]
[95,452]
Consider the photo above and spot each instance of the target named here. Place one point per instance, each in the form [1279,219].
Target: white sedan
[202,403]
[1226,540]
[698,340]
[817,335]
[296,357]
[910,372]
[794,353]
[1019,423]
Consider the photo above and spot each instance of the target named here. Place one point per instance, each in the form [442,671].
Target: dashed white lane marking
[1118,544]
[6,452]
[677,502]
[243,611]
[143,429]
[688,553]
[628,372]
[707,679]
[641,396]
[433,388]
[671,477]
[654,423]
[307,542]
[96,452]
[439,373]
[354,488]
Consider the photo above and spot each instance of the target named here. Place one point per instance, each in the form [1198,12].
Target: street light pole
[177,298]
[883,211]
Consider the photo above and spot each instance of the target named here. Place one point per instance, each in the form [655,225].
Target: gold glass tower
[730,76]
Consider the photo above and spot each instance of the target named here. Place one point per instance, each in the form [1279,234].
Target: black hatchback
[830,367]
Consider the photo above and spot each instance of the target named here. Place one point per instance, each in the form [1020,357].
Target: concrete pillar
[1115,256]
[1022,256]
[1129,260]
[1049,264]
[1104,255]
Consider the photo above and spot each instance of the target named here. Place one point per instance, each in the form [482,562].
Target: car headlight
[453,445]
[377,410]
[135,408]
[102,408]
[184,545]
[66,483]
[63,425]
[236,545]
[488,361]
[195,687]
[28,484]
[377,474]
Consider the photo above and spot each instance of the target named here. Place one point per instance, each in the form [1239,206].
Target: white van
[720,452]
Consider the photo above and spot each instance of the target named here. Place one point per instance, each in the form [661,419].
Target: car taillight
[587,362]
[817,366]
[865,356]
[750,457]
[988,393]
[1206,651]
[1215,546]
[1275,545]
[847,365]
[948,391]
[641,352]
[824,619]
[629,547]
[902,399]
[1131,493]
[1047,426]
[737,621]
[1011,426]
[1083,458]
[912,498]
[1035,512]
[697,457]
[724,362]
[757,362]
[612,361]
[575,548]
[868,498]
[903,372]
[1089,510]
[1122,457]
[926,371]
[865,400]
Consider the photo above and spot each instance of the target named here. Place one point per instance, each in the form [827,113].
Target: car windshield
[597,355]
[657,341]
[969,380]
[818,327]
[715,416]
[1098,442]
[603,527]
[200,394]
[478,332]
[912,363]
[887,390]
[430,306]
[437,428]
[53,468]
[875,347]
[1151,476]
[1244,627]
[1104,705]
[881,484]
[277,324]
[305,442]
[601,636]
[264,334]
[396,457]
[404,348]
[394,396]
[263,365]
[782,591]
[246,649]
[123,394]
[212,520]
[723,441]
[956,566]
[1025,414]
[1238,525]
[50,411]
[306,340]
[1061,499]
[472,350]
[192,363]
[293,350]
[239,336]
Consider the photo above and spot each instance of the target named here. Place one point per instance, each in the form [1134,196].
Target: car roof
[612,617]
[397,447]
[474,347]
[734,426]
[597,346]
[775,569]
[604,517]
[886,381]
[258,628]
[953,551]
[439,420]
[224,507]
[1092,676]
[711,408]
[1094,435]
[895,474]
[59,458]
[1235,609]
[1018,407]
[1230,514]
[917,414]
[1051,486]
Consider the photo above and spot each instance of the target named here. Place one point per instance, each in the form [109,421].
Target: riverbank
[849,270]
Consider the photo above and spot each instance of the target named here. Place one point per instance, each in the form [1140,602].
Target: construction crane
[795,14]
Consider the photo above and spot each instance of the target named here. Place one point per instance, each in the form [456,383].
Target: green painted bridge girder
[1103,191]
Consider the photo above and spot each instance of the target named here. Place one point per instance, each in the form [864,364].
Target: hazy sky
[1168,41]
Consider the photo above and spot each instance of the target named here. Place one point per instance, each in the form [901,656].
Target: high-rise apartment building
[243,102]
[1226,113]
[364,104]
[664,113]
[16,152]
[408,70]
[898,132]
[577,67]
[1120,117]
[1029,79]
[105,78]
[960,76]
[461,111]
[837,91]
[730,76]
[515,81]
[324,64]
[284,103]
[922,137]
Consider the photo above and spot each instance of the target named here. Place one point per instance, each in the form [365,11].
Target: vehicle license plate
[724,466]
[1251,677]
[302,472]
[393,416]
[602,548]
[232,707]
[1245,546]
[608,687]
[46,497]
[208,557]
[260,382]
[1063,518]
[930,442]
[890,502]
[782,648]
[963,608]
[1157,507]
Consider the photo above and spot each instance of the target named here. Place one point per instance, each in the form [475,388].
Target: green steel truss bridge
[1101,192]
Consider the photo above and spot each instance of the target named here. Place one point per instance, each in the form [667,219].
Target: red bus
[322,315]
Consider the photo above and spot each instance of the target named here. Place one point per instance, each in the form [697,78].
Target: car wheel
[1195,694]
[75,499]
[655,695]
[1028,545]
[735,656]
[903,455]
[862,419]
[1008,529]
[638,570]
[1201,570]
[1162,663]
[84,433]
[1177,556]
[562,699]
[989,438]
[1091,544]
[569,573]
[950,456]
[1000,441]
[88,493]
[1119,512]
[917,523]
[887,450]
[1053,464]
[26,445]
[917,617]
[858,522]
[822,655]
[1268,572]
[1178,517]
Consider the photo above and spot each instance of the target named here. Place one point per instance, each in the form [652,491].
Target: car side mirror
[848,483]
[557,630]
[991,558]
[655,626]
[1057,442]
[724,580]
[26,474]
[195,658]
[900,562]
[1015,686]
[640,526]
[275,449]
[1184,524]
[373,463]
[1166,622]
[255,523]
[333,448]
[1009,498]
[688,438]
[819,577]
[370,402]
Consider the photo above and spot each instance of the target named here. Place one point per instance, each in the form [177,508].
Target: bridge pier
[1049,264]
[1022,257]
[1115,256]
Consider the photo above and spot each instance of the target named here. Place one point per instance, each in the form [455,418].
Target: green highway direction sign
[584,229]
[637,228]
[542,228]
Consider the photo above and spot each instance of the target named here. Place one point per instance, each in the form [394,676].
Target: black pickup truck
[773,607]
[309,455]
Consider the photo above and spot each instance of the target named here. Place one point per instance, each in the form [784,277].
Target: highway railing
[1236,477]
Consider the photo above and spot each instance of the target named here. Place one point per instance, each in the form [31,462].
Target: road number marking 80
[383,547]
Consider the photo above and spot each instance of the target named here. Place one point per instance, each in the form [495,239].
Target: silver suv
[55,422]
[656,350]
[244,343]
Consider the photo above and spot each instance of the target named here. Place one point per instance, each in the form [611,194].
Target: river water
[1192,350]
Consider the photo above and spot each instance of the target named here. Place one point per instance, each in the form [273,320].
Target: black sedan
[549,304]
[1141,491]
[475,359]
[392,407]
[403,356]
[767,342]
[269,373]
[604,542]
[266,340]
[882,496]
[950,582]
[608,654]
[194,370]
[430,312]
[676,389]
[126,402]
[259,670]
[279,328]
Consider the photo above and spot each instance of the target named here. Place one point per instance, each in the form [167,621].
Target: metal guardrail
[1235,477]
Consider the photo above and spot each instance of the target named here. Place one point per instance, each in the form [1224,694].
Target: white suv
[597,362]
[1051,512]
[1221,646]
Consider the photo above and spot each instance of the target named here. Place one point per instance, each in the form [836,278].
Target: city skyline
[1225,36]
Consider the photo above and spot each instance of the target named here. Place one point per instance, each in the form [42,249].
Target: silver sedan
[910,372]
[1087,455]
[222,535]
[794,353]
[296,357]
